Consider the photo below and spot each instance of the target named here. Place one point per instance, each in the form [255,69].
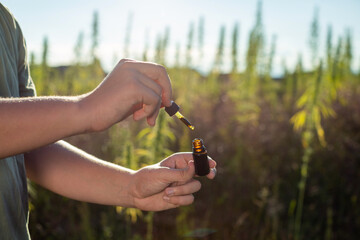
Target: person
[31,129]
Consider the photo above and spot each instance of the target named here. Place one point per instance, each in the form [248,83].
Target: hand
[168,184]
[132,88]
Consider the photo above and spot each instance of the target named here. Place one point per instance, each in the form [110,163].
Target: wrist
[84,114]
[131,192]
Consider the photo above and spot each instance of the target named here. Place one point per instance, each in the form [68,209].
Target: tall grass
[287,148]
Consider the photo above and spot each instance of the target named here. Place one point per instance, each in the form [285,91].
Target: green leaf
[143,152]
[302,100]
[143,133]
[298,120]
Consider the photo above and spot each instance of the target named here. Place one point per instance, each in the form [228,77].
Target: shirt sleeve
[26,84]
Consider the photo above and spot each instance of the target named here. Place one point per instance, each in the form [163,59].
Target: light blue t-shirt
[15,81]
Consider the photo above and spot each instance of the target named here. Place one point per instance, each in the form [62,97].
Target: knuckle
[183,175]
[162,69]
[122,62]
[125,62]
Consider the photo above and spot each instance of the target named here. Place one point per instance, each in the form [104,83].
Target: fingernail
[166,198]
[170,192]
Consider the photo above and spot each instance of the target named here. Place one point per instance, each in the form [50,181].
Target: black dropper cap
[174,108]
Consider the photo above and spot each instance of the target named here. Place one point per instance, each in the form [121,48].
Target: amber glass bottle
[200,157]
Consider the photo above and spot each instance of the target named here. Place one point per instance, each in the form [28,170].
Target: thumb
[180,175]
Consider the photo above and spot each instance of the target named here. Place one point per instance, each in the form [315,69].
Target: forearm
[132,88]
[73,173]
[28,123]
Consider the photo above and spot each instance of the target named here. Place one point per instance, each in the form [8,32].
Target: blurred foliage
[288,148]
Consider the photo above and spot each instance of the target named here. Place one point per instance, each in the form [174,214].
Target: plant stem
[302,184]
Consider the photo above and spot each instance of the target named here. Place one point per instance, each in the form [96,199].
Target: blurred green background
[287,141]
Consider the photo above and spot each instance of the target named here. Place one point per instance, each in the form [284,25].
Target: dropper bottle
[200,157]
[174,110]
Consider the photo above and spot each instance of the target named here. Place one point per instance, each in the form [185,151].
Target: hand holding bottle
[168,184]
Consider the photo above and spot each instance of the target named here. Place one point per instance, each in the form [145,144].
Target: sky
[62,21]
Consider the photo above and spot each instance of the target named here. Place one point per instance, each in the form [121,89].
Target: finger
[212,163]
[179,183]
[151,120]
[180,200]
[154,203]
[178,175]
[181,159]
[212,173]
[177,160]
[148,82]
[150,104]
[157,73]
[190,187]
